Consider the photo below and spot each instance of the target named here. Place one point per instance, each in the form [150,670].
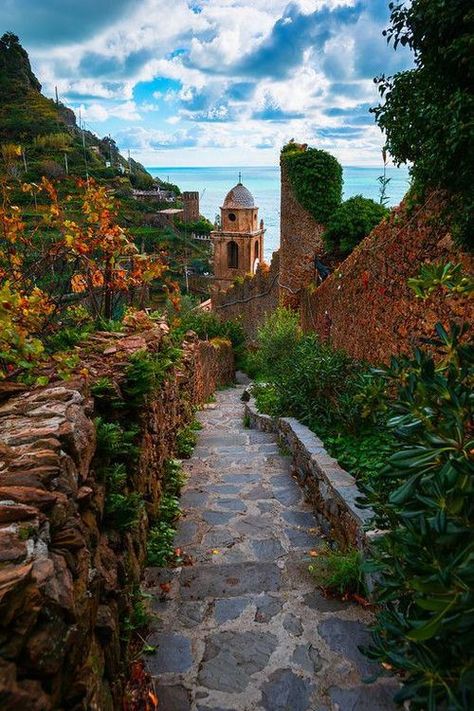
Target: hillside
[41,137]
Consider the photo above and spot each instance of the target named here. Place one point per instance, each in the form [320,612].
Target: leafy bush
[114,441]
[123,511]
[338,572]
[304,377]
[145,372]
[353,220]
[186,439]
[424,502]
[161,534]
[315,177]
[427,111]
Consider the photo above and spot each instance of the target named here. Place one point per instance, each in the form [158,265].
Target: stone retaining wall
[252,300]
[66,579]
[328,487]
[366,307]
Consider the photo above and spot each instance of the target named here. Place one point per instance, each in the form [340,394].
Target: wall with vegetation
[83,465]
[309,194]
[366,307]
[250,299]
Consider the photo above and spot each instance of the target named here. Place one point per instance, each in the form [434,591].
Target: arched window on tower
[256,250]
[232,255]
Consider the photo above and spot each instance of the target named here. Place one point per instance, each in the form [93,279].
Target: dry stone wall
[250,300]
[366,307]
[66,580]
[300,241]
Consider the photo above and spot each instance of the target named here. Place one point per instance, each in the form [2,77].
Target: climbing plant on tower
[316,179]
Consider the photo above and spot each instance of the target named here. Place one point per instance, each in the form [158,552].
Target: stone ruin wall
[65,580]
[366,308]
[250,300]
[300,240]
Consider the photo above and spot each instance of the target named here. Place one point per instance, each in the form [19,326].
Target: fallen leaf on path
[165,587]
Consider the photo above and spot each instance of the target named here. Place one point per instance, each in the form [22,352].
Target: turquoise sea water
[264,183]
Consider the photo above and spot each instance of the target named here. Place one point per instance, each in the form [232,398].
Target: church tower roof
[239,196]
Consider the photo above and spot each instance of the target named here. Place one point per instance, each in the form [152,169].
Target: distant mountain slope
[41,137]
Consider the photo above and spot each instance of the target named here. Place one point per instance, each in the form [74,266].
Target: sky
[214,82]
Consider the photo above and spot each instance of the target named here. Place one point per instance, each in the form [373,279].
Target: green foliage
[364,453]
[115,477]
[139,617]
[174,477]
[448,277]
[353,220]
[338,572]
[160,543]
[304,377]
[114,441]
[161,534]
[424,502]
[427,111]
[106,396]
[145,372]
[186,439]
[316,179]
[123,511]
[277,338]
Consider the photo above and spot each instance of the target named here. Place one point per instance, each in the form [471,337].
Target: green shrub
[424,502]
[351,222]
[145,372]
[305,378]
[208,326]
[277,339]
[123,511]
[338,572]
[315,177]
[160,543]
[114,441]
[67,337]
[186,439]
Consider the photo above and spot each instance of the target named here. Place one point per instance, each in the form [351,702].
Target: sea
[264,184]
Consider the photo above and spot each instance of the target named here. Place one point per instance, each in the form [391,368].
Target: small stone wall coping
[328,487]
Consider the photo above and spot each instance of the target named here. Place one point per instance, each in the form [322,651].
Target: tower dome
[239,196]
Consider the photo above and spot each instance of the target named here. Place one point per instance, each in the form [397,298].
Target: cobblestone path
[244,627]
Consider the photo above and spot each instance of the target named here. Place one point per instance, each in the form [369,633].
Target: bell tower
[238,241]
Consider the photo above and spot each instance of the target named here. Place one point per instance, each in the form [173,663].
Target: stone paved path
[244,628]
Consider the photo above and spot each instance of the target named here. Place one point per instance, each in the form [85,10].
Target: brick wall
[366,307]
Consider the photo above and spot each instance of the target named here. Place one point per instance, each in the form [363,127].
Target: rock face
[65,579]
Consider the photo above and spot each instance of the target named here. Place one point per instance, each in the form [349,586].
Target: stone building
[238,241]
[191,206]
[188,213]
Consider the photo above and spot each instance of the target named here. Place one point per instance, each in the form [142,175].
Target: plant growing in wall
[315,177]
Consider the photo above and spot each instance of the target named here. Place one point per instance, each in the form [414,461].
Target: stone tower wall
[191,206]
[300,240]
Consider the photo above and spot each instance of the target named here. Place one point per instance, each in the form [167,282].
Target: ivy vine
[315,177]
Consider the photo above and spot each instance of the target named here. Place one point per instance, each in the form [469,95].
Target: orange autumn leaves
[69,246]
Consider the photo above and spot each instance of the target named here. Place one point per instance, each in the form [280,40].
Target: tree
[351,222]
[427,112]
